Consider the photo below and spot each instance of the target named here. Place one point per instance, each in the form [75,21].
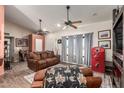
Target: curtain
[78,49]
[70,48]
[87,48]
[64,49]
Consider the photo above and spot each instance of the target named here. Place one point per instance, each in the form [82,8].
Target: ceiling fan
[41,32]
[69,22]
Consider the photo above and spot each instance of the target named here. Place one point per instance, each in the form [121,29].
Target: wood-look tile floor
[14,78]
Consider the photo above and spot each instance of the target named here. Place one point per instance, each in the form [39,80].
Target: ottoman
[92,82]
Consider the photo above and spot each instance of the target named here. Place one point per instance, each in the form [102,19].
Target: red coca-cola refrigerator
[98,59]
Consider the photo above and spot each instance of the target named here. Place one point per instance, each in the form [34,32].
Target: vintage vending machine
[98,59]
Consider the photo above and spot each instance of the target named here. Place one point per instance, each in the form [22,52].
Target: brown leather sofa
[41,60]
[92,82]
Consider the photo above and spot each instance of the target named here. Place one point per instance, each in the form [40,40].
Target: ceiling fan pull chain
[40,23]
[68,7]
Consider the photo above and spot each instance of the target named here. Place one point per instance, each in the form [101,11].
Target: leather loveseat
[92,82]
[41,60]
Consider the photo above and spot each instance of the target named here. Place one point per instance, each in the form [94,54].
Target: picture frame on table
[21,42]
[104,34]
[105,44]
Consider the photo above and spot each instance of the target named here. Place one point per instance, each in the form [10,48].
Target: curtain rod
[76,34]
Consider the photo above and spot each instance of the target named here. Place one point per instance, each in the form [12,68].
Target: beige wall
[17,32]
[51,39]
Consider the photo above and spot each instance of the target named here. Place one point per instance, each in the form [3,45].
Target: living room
[36,41]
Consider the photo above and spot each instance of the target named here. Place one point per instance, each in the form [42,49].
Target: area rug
[30,77]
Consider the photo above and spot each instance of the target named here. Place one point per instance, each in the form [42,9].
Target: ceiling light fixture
[40,31]
[44,29]
[58,25]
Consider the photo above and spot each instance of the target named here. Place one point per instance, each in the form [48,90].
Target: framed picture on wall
[105,34]
[20,42]
[105,44]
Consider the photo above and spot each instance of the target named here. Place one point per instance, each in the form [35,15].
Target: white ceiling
[28,15]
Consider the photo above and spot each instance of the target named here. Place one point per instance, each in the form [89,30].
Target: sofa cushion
[51,59]
[39,76]
[50,54]
[44,55]
[34,56]
[42,62]
[55,59]
[33,60]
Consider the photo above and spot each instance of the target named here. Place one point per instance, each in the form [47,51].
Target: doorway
[8,51]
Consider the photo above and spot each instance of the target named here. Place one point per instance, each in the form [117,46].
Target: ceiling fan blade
[74,22]
[46,32]
[39,33]
[64,27]
[73,26]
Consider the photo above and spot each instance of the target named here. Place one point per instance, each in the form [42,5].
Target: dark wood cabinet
[118,48]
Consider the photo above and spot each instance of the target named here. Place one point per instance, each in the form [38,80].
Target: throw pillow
[34,56]
[50,54]
[44,55]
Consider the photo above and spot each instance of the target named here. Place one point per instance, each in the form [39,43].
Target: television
[118,36]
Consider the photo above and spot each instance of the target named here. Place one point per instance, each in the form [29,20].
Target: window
[66,49]
[74,49]
[83,51]
[74,46]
